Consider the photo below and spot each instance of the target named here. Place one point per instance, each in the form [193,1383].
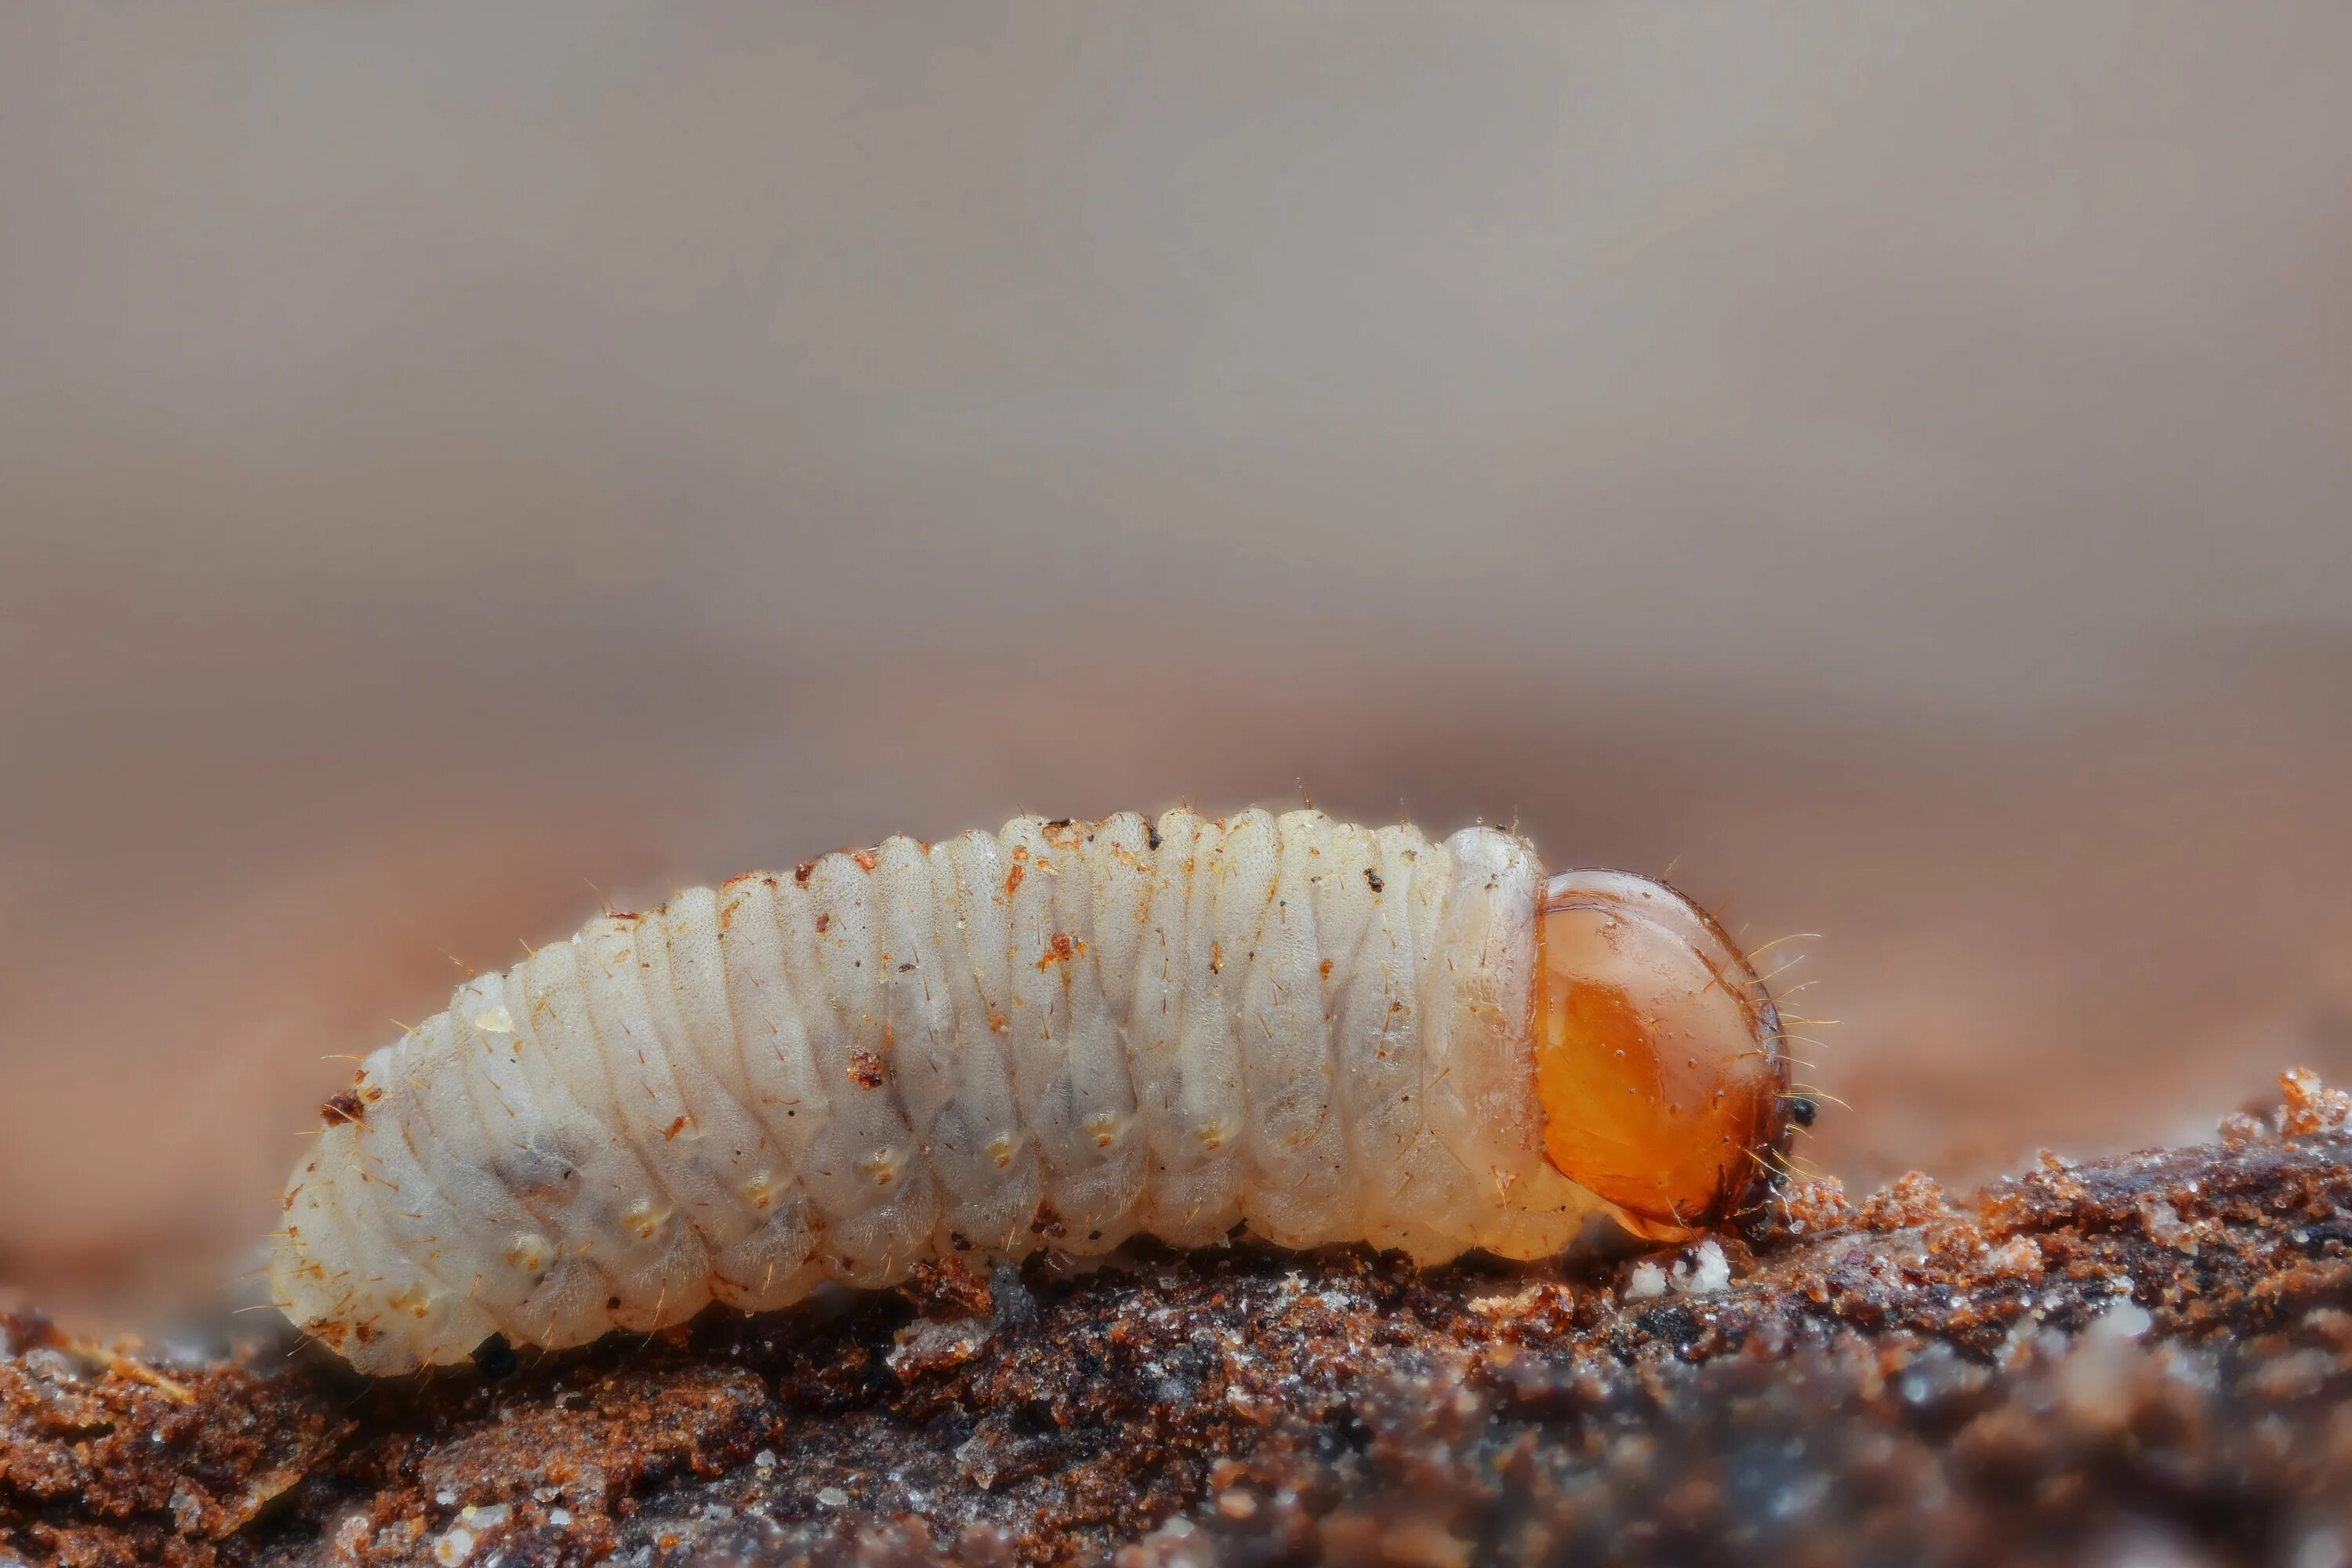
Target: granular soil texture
[2143,1359]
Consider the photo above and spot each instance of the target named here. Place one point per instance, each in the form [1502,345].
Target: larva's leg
[863,1167]
[1070,1061]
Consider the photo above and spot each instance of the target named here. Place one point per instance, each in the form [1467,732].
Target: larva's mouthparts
[1658,1054]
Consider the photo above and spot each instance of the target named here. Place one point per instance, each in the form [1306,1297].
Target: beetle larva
[1060,1035]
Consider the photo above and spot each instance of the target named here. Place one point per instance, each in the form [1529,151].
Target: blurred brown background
[1889,463]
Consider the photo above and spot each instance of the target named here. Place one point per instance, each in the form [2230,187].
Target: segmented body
[1059,1035]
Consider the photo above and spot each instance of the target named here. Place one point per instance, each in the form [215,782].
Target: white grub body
[1061,1034]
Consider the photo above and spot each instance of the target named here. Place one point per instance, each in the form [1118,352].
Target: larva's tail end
[1659,1058]
[331,1294]
[303,1285]
[357,1324]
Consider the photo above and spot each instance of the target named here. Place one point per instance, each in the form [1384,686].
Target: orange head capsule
[1658,1054]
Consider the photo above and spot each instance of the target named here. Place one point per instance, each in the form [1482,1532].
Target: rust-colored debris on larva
[2140,1359]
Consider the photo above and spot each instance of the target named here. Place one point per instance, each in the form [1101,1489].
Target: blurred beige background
[1889,463]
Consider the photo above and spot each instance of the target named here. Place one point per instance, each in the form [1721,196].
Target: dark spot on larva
[865,861]
[372,1094]
[1325,968]
[823,921]
[494,1358]
[1372,880]
[800,872]
[1012,878]
[906,969]
[363,1332]
[1216,958]
[340,1108]
[1151,833]
[672,1130]
[1802,1108]
[1058,824]
[612,1303]
[865,1069]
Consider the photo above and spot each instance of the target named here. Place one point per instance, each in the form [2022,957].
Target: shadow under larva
[1060,1035]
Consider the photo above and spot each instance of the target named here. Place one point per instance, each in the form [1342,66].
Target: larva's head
[1658,1053]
